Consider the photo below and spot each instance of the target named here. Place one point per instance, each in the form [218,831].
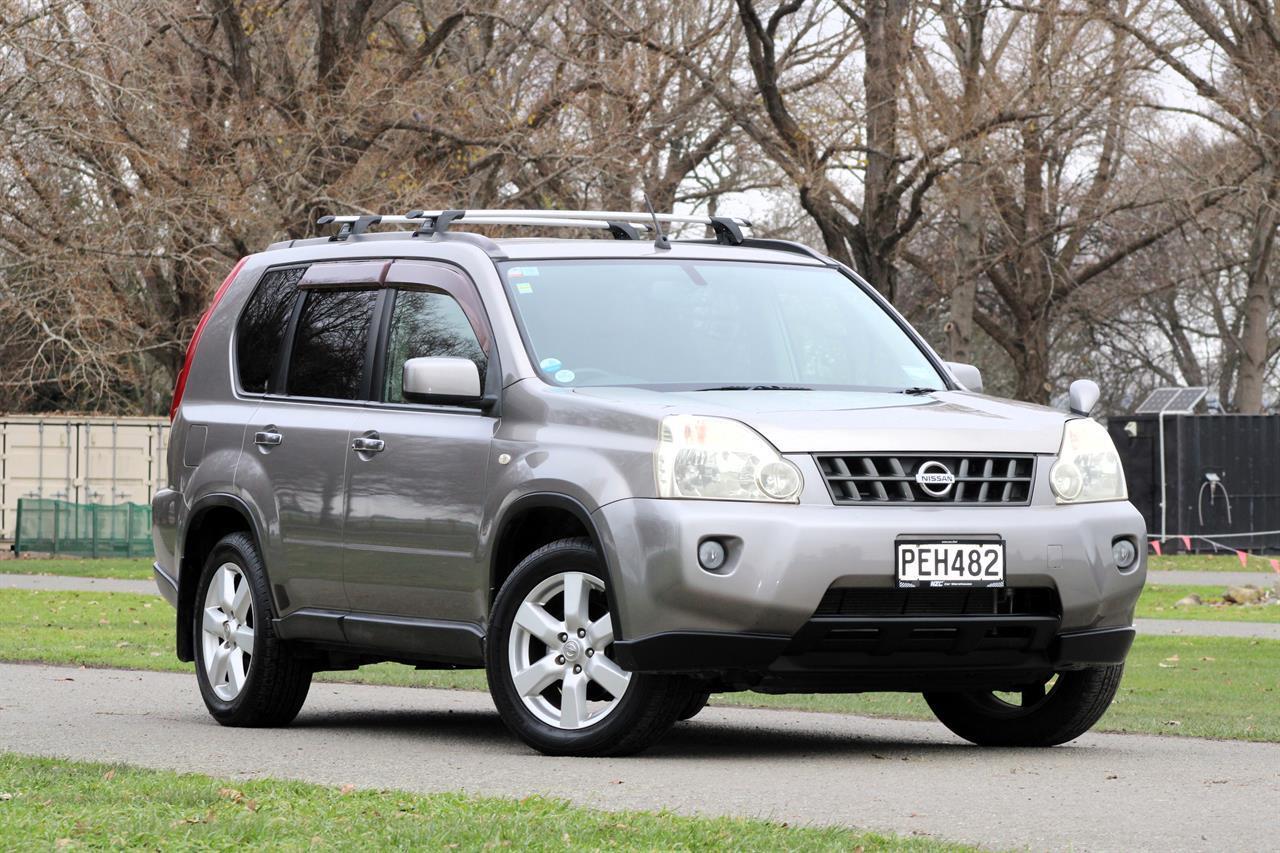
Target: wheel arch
[536,519]
[210,518]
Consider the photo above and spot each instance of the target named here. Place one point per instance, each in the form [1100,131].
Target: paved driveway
[1104,792]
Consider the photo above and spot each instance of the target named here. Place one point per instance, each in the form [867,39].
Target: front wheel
[549,656]
[1044,713]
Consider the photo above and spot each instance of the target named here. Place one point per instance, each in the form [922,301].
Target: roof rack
[620,223]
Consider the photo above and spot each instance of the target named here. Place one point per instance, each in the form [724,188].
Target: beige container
[82,459]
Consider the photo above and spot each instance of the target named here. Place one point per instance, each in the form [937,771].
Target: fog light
[1124,553]
[711,555]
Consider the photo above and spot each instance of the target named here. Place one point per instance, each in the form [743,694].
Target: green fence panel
[83,530]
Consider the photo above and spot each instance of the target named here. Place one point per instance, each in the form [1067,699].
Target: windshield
[704,325]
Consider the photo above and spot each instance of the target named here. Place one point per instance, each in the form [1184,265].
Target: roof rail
[620,223]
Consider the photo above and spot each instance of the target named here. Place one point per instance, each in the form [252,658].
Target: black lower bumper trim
[696,651]
[1097,647]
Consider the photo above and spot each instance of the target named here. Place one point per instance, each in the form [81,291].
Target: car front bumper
[672,615]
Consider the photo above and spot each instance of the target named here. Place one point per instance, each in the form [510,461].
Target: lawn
[47,804]
[104,567]
[1220,687]
[1157,602]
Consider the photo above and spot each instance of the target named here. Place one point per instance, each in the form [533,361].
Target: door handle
[266,438]
[368,445]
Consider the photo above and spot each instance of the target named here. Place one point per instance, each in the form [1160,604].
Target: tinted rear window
[262,328]
[329,347]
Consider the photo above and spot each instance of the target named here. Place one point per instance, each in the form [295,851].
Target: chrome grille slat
[998,479]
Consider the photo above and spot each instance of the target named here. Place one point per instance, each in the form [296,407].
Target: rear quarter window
[261,330]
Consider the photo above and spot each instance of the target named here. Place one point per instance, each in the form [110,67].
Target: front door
[416,472]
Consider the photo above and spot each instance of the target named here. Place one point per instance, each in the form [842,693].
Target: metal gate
[98,461]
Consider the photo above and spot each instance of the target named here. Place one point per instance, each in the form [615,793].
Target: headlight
[721,459]
[1088,467]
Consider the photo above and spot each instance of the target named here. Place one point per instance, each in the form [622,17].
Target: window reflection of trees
[329,347]
[425,323]
[262,328]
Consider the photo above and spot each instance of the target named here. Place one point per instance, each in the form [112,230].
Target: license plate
[950,562]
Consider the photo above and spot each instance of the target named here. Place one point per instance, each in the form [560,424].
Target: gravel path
[66,583]
[1207,628]
[1104,792]
[1222,579]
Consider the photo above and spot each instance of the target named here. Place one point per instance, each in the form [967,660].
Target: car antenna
[661,241]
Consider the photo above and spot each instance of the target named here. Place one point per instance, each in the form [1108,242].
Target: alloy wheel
[227,631]
[559,652]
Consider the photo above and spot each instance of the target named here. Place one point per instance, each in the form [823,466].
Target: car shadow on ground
[712,740]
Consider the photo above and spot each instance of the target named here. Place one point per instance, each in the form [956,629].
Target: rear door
[295,455]
[414,504]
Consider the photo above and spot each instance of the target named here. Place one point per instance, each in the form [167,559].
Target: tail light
[181,385]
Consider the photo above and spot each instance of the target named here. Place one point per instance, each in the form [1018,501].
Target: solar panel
[1176,401]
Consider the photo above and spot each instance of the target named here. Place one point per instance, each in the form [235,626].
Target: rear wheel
[1044,713]
[247,676]
[697,701]
[550,661]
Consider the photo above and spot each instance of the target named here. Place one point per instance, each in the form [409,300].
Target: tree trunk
[1254,342]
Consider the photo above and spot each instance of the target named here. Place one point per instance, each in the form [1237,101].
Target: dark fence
[82,530]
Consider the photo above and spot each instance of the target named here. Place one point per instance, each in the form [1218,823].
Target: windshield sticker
[565,375]
[523,272]
[550,365]
[524,287]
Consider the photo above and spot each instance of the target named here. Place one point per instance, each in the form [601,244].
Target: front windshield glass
[695,325]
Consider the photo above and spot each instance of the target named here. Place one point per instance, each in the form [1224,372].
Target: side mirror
[967,375]
[442,378]
[1082,396]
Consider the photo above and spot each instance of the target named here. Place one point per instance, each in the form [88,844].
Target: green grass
[48,803]
[1206,563]
[1157,602]
[1221,687]
[104,567]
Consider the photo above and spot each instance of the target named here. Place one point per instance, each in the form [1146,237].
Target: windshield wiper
[916,391]
[757,388]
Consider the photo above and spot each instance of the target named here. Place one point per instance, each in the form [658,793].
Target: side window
[329,346]
[427,323]
[261,330]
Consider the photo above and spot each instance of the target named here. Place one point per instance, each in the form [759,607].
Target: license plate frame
[910,573]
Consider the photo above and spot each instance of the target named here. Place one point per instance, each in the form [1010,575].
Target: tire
[1067,710]
[697,701]
[259,683]
[553,658]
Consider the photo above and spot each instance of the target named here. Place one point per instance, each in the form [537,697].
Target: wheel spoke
[218,666]
[244,639]
[226,581]
[537,676]
[573,701]
[213,619]
[608,675]
[235,670]
[575,601]
[241,600]
[600,632]
[535,619]
[1032,695]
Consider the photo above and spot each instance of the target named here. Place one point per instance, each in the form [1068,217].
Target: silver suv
[621,475]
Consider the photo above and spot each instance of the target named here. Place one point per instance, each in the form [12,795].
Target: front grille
[875,601]
[982,479]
